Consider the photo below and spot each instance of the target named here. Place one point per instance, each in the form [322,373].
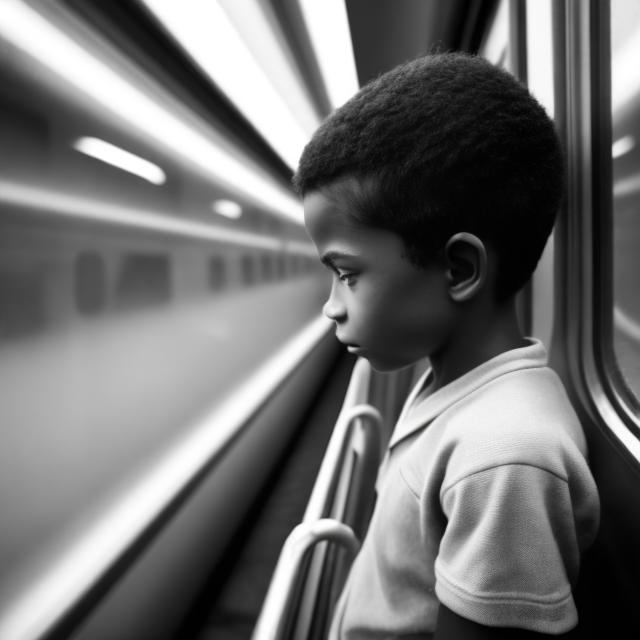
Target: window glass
[267,267]
[143,280]
[217,273]
[249,272]
[625,101]
[90,283]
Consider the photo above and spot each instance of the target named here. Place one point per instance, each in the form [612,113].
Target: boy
[430,196]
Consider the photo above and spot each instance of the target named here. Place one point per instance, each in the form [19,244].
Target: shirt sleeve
[509,552]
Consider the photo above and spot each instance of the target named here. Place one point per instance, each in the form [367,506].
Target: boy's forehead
[344,193]
[328,207]
[335,233]
[322,217]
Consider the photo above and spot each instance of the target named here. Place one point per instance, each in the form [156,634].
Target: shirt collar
[418,410]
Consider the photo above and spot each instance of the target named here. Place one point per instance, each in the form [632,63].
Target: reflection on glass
[625,98]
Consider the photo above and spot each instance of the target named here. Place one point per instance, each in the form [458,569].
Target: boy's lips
[352,347]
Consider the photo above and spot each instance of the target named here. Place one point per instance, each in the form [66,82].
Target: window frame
[582,347]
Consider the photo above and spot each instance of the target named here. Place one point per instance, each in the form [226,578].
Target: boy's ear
[466,259]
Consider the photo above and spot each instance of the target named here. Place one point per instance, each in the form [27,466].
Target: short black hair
[441,144]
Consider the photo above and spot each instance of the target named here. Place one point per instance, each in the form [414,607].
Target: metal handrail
[277,610]
[60,597]
[359,384]
[323,491]
[274,617]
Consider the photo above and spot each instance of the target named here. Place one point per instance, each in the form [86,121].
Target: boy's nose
[333,308]
[333,311]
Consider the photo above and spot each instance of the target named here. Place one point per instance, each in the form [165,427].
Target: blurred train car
[152,264]
[161,351]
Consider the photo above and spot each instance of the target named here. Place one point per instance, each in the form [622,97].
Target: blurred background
[153,258]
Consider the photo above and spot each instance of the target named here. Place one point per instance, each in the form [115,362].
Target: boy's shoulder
[519,415]
[523,417]
[507,387]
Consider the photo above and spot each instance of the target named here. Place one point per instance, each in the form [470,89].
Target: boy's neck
[478,338]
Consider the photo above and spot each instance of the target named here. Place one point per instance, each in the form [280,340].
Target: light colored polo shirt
[485,502]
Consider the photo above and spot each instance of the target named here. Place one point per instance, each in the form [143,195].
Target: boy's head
[441,145]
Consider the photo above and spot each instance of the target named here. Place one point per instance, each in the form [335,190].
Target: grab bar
[324,488]
[305,536]
[331,501]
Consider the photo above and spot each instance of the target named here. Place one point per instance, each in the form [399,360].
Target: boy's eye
[344,276]
[348,278]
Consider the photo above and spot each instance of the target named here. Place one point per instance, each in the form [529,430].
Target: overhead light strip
[212,40]
[328,25]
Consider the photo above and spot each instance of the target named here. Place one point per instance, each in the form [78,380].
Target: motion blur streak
[58,51]
[64,204]
[328,26]
[203,29]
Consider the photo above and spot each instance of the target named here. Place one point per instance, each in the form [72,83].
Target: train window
[22,300]
[217,273]
[90,283]
[267,267]
[248,268]
[143,280]
[625,102]
[23,134]
[294,265]
[281,266]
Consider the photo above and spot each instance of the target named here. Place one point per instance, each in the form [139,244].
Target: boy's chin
[381,365]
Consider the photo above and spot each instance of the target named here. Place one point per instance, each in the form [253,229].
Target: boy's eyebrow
[330,257]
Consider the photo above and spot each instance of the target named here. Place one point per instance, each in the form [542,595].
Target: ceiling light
[117,157]
[227,208]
